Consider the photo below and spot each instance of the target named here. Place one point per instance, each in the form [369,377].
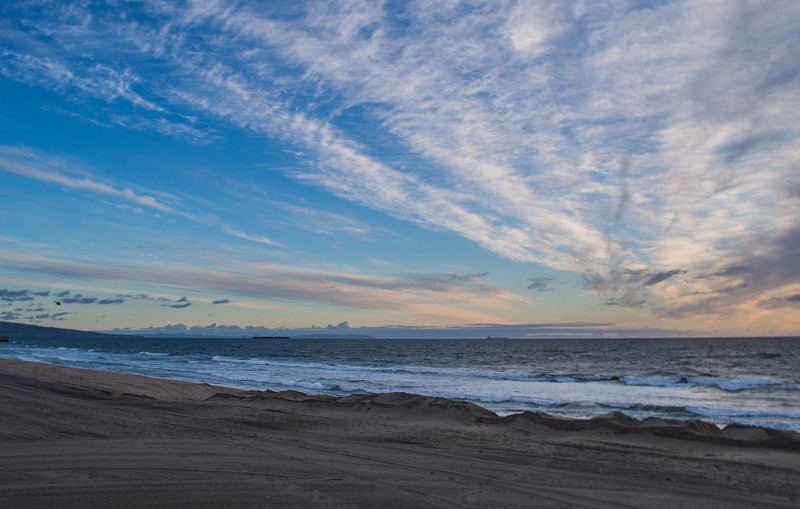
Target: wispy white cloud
[74,175]
[95,79]
[69,174]
[325,222]
[253,238]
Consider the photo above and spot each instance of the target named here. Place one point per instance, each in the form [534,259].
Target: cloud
[540,283]
[79,79]
[476,330]
[791,301]
[181,303]
[57,317]
[662,276]
[587,138]
[324,222]
[627,301]
[78,299]
[343,325]
[9,315]
[105,302]
[67,298]
[428,295]
[73,174]
[143,296]
[763,276]
[469,277]
[7,295]
[253,238]
[627,287]
[70,174]
[221,301]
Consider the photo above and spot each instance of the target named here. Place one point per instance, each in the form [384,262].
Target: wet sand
[80,438]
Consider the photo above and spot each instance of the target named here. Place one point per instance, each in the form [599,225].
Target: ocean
[754,381]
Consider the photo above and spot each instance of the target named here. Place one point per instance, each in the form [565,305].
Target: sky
[401,168]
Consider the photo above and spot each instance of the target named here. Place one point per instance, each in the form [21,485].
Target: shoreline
[540,377]
[615,420]
[77,437]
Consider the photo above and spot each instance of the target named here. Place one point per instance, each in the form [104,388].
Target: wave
[744,414]
[776,419]
[738,385]
[345,371]
[503,388]
[726,385]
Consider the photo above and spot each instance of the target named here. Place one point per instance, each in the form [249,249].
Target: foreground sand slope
[78,438]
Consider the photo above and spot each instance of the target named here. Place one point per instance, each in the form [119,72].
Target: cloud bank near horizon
[651,148]
[466,331]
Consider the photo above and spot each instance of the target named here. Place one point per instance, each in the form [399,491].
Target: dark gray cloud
[105,302]
[792,301]
[58,317]
[621,287]
[540,283]
[15,297]
[9,315]
[67,298]
[625,302]
[662,276]
[468,277]
[767,262]
[64,297]
[7,295]
[77,299]
[142,296]
[221,301]
[181,303]
[627,287]
[733,270]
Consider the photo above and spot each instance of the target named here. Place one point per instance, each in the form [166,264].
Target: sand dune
[79,438]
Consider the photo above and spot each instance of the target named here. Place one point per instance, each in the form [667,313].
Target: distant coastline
[12,330]
[15,329]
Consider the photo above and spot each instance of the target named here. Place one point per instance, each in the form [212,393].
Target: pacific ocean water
[753,381]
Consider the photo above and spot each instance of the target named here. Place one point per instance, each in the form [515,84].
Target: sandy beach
[79,438]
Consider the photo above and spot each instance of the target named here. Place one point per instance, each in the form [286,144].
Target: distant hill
[188,336]
[334,336]
[16,330]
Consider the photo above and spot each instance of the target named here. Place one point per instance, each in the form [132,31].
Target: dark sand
[79,438]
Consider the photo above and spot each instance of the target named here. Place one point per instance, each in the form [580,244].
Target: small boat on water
[270,337]
[3,339]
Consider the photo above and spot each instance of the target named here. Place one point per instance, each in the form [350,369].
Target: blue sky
[401,168]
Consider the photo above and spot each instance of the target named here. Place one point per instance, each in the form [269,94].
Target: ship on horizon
[270,337]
